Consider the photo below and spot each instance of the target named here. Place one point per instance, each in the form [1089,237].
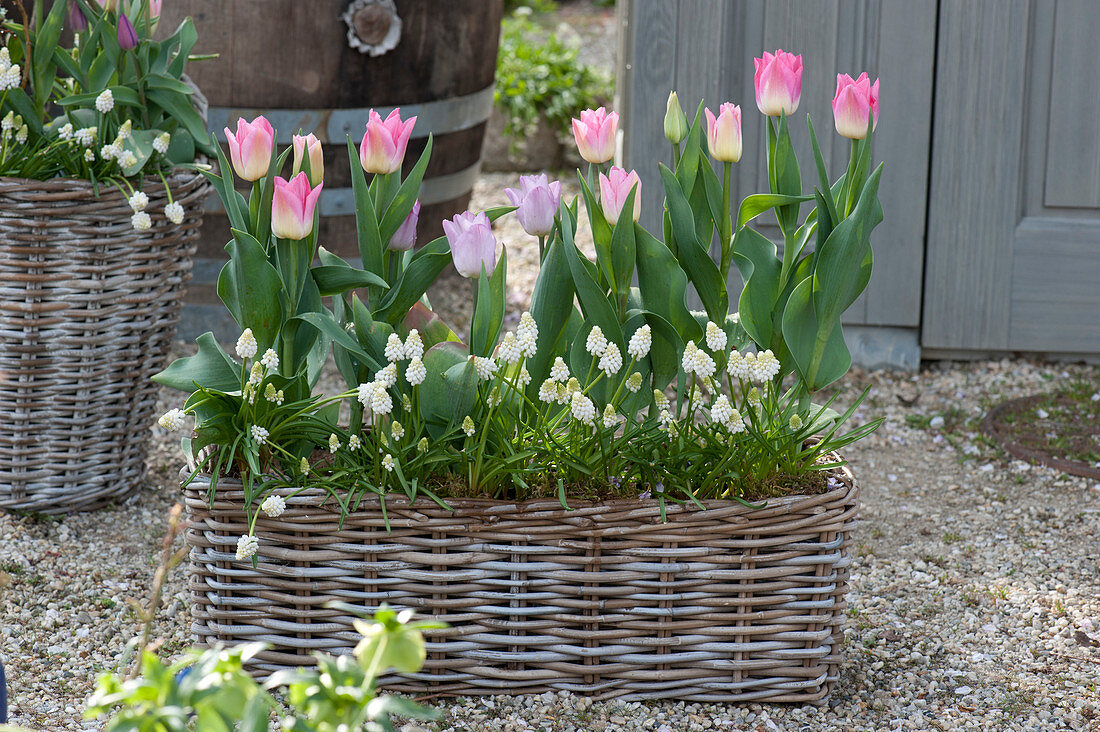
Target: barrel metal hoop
[341,201]
[334,125]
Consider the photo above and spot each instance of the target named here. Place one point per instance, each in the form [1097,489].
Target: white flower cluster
[724,414]
[105,102]
[697,361]
[11,75]
[13,125]
[172,420]
[375,397]
[485,367]
[273,506]
[596,343]
[640,343]
[611,360]
[174,213]
[468,426]
[716,337]
[333,443]
[259,434]
[246,345]
[161,143]
[559,371]
[755,367]
[247,546]
[582,408]
[86,136]
[527,335]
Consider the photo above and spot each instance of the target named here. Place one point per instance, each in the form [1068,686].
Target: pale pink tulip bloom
[537,201]
[724,133]
[250,149]
[154,8]
[384,142]
[292,207]
[614,188]
[309,144]
[778,82]
[595,134]
[855,102]
[472,244]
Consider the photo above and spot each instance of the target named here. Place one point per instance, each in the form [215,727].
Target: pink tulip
[292,207]
[724,133]
[614,188]
[108,4]
[77,22]
[778,83]
[405,237]
[250,149]
[310,144]
[595,134]
[537,201]
[856,101]
[154,8]
[472,244]
[384,142]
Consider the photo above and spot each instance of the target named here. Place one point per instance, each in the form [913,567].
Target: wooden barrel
[301,65]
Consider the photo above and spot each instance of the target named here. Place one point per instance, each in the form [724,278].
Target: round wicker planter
[88,307]
[728,604]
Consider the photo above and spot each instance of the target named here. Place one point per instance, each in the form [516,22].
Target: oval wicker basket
[728,604]
[88,308]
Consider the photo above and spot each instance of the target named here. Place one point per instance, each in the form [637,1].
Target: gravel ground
[975,597]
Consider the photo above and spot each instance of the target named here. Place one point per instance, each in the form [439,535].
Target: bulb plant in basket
[608,390]
[608,385]
[111,107]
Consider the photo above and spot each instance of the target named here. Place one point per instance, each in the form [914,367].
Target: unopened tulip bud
[309,144]
[127,36]
[536,202]
[405,237]
[724,133]
[676,126]
[77,22]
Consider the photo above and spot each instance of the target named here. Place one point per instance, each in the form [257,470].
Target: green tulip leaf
[210,366]
[252,289]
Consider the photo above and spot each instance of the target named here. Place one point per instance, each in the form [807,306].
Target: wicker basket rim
[11,183]
[398,500]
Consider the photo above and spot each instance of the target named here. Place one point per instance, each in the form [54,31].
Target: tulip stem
[675,156]
[725,232]
[542,248]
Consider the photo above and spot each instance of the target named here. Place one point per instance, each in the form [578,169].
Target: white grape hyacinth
[141,221]
[174,213]
[270,360]
[273,506]
[611,360]
[260,434]
[716,337]
[387,377]
[414,345]
[247,546]
[634,382]
[333,443]
[416,372]
[138,201]
[736,366]
[596,343]
[559,371]
[640,343]
[246,344]
[582,408]
[548,392]
[105,102]
[172,420]
[509,351]
[611,418]
[527,335]
[161,143]
[485,367]
[766,367]
[721,411]
[523,378]
[387,463]
[354,443]
[86,136]
[395,348]
[468,426]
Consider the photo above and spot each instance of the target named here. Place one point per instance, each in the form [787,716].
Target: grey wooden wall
[987,127]
[1013,251]
[704,49]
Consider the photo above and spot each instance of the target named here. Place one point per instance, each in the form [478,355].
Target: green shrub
[539,75]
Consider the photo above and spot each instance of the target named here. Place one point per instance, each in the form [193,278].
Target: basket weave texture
[88,307]
[728,604]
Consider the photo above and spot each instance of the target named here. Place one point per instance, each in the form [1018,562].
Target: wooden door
[1013,260]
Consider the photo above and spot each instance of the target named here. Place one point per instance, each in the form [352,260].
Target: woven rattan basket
[88,308]
[728,604]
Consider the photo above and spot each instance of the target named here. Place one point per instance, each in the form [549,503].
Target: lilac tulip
[724,133]
[595,134]
[77,22]
[472,244]
[405,237]
[537,201]
[127,36]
